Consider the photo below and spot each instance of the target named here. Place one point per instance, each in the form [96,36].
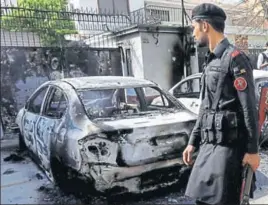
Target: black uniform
[227,126]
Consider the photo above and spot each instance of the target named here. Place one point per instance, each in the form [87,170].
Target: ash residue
[173,195]
[14,158]
[9,171]
[17,156]
[39,176]
[54,195]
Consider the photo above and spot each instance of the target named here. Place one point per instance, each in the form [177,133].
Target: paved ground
[23,183]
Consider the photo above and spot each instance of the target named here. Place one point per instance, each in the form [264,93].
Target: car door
[49,129]
[188,93]
[258,86]
[32,113]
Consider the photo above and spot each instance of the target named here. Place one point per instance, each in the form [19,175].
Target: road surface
[23,183]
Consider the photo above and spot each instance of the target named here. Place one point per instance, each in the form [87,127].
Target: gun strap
[225,63]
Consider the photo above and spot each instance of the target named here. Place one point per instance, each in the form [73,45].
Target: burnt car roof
[96,82]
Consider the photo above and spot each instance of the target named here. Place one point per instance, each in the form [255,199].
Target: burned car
[187,91]
[263,115]
[108,131]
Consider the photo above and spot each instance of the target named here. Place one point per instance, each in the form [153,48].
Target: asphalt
[22,182]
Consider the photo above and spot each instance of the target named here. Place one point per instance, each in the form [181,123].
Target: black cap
[208,11]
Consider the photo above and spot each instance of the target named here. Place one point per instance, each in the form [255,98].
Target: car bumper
[137,179]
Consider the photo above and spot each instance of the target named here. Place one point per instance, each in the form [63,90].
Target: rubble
[50,194]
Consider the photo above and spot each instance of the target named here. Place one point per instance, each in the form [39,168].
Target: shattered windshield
[107,103]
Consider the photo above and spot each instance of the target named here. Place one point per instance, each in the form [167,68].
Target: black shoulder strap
[225,63]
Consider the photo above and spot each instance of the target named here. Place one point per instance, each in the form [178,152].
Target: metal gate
[252,54]
[23,69]
[46,42]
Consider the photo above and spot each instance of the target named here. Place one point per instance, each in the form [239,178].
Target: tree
[50,19]
[253,14]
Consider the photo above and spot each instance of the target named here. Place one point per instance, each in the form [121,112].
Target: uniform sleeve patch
[235,53]
[240,84]
[243,71]
[238,71]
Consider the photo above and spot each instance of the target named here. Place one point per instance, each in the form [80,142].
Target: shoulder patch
[235,53]
[238,71]
[240,84]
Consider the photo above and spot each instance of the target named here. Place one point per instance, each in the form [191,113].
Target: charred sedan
[108,131]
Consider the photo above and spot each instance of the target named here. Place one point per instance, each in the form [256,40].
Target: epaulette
[235,53]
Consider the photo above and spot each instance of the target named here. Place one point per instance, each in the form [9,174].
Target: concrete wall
[136,4]
[133,42]
[19,39]
[1,130]
[84,3]
[152,53]
[194,63]
[157,56]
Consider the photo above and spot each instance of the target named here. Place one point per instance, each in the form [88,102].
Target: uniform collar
[221,47]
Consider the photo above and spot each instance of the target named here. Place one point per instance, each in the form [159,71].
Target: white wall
[136,4]
[133,42]
[157,57]
[1,131]
[194,63]
[90,4]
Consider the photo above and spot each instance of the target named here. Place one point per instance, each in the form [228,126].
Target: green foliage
[48,18]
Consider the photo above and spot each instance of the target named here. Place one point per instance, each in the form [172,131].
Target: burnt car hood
[149,138]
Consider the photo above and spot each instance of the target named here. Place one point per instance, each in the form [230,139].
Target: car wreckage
[107,130]
[187,91]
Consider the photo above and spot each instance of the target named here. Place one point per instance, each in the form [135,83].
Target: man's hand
[187,154]
[263,65]
[253,160]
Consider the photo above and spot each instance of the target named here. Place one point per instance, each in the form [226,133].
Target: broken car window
[190,88]
[36,102]
[155,98]
[57,105]
[132,97]
[108,103]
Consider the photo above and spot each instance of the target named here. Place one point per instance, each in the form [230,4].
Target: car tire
[60,175]
[22,144]
[265,145]
[68,181]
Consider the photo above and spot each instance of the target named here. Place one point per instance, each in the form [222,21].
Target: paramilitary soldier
[226,131]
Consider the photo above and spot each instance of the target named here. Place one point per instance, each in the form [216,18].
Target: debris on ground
[14,158]
[8,171]
[39,176]
[45,189]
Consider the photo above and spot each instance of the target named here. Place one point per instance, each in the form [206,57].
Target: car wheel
[68,180]
[265,145]
[22,145]
[60,175]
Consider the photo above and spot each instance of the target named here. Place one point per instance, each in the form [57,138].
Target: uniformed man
[226,131]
